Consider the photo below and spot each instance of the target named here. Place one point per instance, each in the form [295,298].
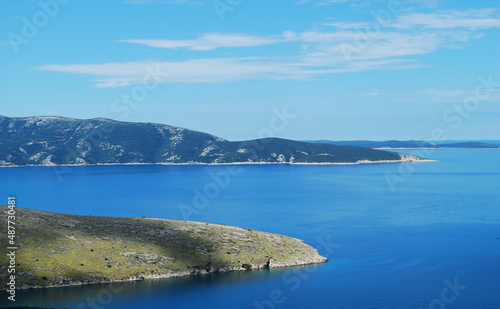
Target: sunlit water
[428,237]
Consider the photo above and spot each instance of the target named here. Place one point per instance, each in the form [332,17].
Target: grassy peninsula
[64,250]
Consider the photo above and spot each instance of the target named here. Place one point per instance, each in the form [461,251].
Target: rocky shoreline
[212,270]
[56,250]
[403,160]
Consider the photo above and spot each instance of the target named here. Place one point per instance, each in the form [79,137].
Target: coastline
[232,163]
[416,148]
[179,274]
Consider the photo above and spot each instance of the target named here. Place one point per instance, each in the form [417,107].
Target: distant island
[67,141]
[69,250]
[406,144]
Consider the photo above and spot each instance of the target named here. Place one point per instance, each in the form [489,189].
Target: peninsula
[69,250]
[66,141]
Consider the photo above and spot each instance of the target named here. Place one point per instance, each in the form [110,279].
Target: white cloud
[347,25]
[211,41]
[218,70]
[471,19]
[190,71]
[323,2]
[330,2]
[361,4]
[165,1]
[341,47]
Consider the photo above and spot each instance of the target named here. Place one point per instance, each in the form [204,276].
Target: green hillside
[59,141]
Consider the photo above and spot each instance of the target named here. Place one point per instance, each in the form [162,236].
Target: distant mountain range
[406,144]
[61,141]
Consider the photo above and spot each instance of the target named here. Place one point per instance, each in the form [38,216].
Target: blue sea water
[421,235]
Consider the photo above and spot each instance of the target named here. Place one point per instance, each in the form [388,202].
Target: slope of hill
[59,141]
[58,249]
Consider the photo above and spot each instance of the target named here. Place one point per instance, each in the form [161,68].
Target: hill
[61,141]
[60,250]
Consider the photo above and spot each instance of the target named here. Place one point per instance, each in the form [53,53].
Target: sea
[414,235]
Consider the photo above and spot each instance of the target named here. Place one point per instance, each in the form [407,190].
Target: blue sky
[344,69]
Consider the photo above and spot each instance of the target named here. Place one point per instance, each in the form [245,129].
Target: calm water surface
[428,238]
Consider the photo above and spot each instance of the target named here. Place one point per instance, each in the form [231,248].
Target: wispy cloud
[190,71]
[219,70]
[347,25]
[454,19]
[431,4]
[311,54]
[211,41]
[360,4]
[472,19]
[323,2]
[137,2]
